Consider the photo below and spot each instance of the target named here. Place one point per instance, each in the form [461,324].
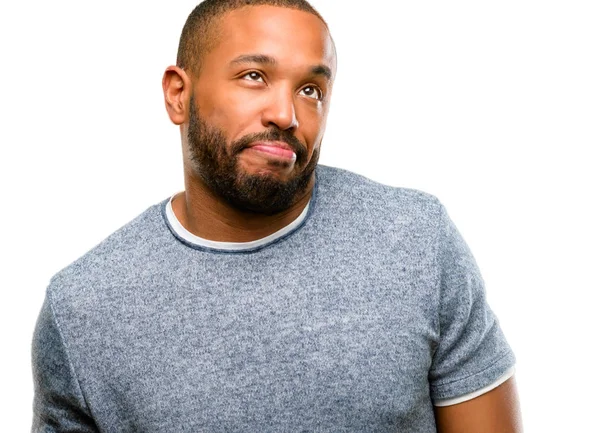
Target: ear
[177,88]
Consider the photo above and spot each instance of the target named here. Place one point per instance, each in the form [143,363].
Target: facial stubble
[217,165]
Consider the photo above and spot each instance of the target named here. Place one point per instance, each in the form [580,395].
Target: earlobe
[176,88]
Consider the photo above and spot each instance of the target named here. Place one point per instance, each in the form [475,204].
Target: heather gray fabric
[353,322]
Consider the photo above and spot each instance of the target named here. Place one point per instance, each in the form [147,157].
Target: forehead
[293,37]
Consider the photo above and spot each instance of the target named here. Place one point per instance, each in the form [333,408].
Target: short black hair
[199,34]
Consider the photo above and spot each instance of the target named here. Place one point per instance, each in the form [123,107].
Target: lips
[274,148]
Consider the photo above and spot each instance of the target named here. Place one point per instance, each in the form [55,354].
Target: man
[272,294]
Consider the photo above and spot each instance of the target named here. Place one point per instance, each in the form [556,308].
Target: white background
[492,106]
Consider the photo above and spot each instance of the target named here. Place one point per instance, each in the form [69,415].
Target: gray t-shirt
[359,319]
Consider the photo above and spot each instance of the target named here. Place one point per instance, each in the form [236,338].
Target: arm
[472,353]
[496,411]
[58,405]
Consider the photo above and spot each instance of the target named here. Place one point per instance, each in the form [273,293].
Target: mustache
[271,135]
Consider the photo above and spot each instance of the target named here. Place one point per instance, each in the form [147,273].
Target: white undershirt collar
[228,246]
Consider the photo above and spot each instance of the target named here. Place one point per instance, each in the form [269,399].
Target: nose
[280,110]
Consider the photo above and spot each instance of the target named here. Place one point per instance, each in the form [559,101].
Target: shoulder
[351,194]
[114,259]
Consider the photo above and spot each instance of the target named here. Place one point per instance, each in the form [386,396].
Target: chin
[273,171]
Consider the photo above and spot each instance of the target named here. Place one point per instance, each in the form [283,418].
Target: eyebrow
[263,59]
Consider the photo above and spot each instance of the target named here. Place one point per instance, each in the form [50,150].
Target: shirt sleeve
[472,352]
[58,404]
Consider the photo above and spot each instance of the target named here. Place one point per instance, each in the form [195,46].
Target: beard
[216,163]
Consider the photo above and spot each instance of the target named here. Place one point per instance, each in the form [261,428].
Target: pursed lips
[276,148]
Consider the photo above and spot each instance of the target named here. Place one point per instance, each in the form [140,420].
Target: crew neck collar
[229,247]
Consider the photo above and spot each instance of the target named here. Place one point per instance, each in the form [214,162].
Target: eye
[253,76]
[312,92]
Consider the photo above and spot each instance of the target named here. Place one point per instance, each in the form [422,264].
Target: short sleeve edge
[473,382]
[463,398]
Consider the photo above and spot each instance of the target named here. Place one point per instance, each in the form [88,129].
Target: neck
[206,215]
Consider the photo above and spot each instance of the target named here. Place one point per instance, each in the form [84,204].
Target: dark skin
[243,96]
[496,411]
[274,68]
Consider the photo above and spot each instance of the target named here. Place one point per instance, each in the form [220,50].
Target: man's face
[259,106]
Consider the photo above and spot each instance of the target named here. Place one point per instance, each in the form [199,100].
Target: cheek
[227,106]
[315,130]
[237,114]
